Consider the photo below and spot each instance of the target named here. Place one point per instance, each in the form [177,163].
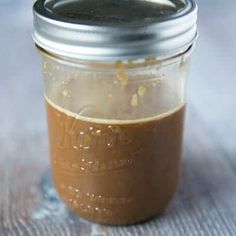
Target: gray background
[206,200]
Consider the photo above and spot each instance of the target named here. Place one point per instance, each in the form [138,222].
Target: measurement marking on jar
[74,193]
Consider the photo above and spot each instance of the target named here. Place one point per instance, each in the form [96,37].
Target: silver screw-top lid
[115,29]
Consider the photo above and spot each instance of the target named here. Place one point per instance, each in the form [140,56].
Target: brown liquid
[117,172]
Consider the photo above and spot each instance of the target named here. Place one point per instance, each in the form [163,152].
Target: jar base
[119,223]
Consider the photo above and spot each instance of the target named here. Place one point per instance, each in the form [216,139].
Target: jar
[115,76]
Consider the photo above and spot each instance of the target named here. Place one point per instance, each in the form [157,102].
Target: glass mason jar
[115,95]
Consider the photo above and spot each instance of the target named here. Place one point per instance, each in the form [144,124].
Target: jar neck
[111,65]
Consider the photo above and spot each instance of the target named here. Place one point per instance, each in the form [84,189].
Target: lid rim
[38,8]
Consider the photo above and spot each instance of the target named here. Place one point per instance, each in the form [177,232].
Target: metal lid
[115,29]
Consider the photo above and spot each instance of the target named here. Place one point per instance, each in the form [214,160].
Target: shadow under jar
[115,88]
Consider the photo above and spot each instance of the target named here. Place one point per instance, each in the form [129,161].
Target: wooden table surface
[205,203]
